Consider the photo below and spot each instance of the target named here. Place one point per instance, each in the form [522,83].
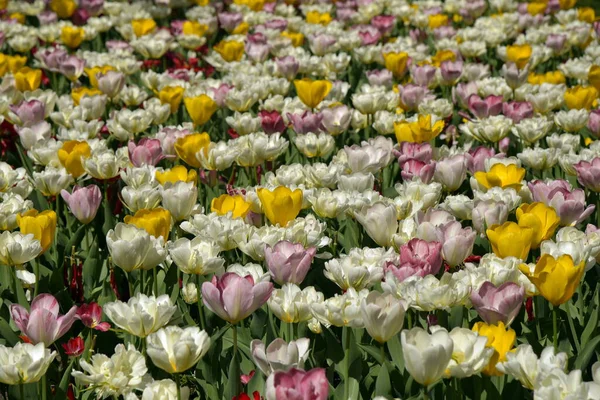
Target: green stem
[44,386]
[130,285]
[382,352]
[235,354]
[555,327]
[36,271]
[178,383]
[21,394]
[290,331]
[346,361]
[142,277]
[155,282]
[572,327]
[425,393]
[200,308]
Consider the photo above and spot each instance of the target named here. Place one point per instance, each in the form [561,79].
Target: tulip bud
[426,356]
[289,262]
[383,315]
[83,202]
[287,66]
[502,303]
[487,213]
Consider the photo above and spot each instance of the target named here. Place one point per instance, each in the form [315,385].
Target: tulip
[502,303]
[297,38]
[426,356]
[200,108]
[236,205]
[422,130]
[180,199]
[271,122]
[426,256]
[588,174]
[176,174]
[142,27]
[289,262]
[172,95]
[176,350]
[94,72]
[17,249]
[287,66]
[487,213]
[383,315]
[29,113]
[579,97]
[194,28]
[418,169]
[72,36]
[306,122]
[462,92]
[519,54]
[84,202]
[503,176]
[157,222]
[43,324]
[418,151]
[296,384]
[478,155]
[132,248]
[315,17]
[32,136]
[165,389]
[234,298]
[380,221]
[484,108]
[27,79]
[451,171]
[379,77]
[411,96]
[451,71]
[280,205]
[594,123]
[74,347]
[470,354]
[63,8]
[196,256]
[397,63]
[91,316]
[230,50]
[500,339]
[517,110]
[312,92]
[458,243]
[24,363]
[229,20]
[71,156]
[188,147]
[141,315]
[146,152]
[555,278]
[510,240]
[41,225]
[82,92]
[279,355]
[292,305]
[542,219]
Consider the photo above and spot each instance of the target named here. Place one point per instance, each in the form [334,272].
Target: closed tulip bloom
[141,315]
[200,108]
[234,298]
[230,50]
[132,248]
[519,54]
[179,173]
[500,339]
[146,152]
[380,221]
[580,97]
[43,323]
[296,384]
[72,36]
[451,171]
[17,248]
[180,199]
[110,82]
[188,146]
[289,262]
[142,27]
[423,129]
[71,156]
[91,316]
[280,205]
[487,213]
[426,356]
[588,174]
[396,63]
[28,113]
[555,278]
[236,205]
[279,355]
[502,303]
[312,92]
[24,363]
[503,176]
[383,315]
[542,219]
[83,202]
[27,79]
[196,256]
[510,240]
[41,225]
[157,221]
[172,95]
[458,243]
[176,350]
[426,255]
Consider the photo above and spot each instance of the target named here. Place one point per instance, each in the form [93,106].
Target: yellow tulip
[15,63]
[19,17]
[437,20]
[241,29]
[202,3]
[441,56]
[396,63]
[419,131]
[63,8]
[280,205]
[254,5]
[594,76]
[3,4]
[142,27]
[519,54]
[586,14]
[542,219]
[3,64]
[42,225]
[230,50]
[176,174]
[500,175]
[72,36]
[27,79]
[567,4]
[188,146]
[315,17]
[92,73]
[297,38]
[200,108]
[71,156]
[171,95]
[157,221]
[553,77]
[510,240]
[194,28]
[78,93]
[536,8]
[555,278]
[312,92]
[225,203]
[500,339]
[580,97]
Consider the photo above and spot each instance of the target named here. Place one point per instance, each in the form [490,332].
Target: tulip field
[299,199]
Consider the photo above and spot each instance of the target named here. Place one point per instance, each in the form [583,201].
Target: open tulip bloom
[250,199]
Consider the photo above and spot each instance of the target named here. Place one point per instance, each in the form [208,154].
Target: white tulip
[176,350]
[24,363]
[132,248]
[280,355]
[141,315]
[426,356]
[383,315]
[17,249]
[196,256]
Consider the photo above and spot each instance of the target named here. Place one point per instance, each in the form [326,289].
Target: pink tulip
[385,23]
[271,121]
[146,152]
[118,45]
[415,168]
[418,151]
[369,36]
[168,136]
[93,7]
[220,93]
[444,32]
[478,156]
[306,122]
[229,20]
[422,253]
[517,110]
[47,17]
[234,298]
[451,71]
[344,14]
[336,119]
[588,174]
[43,324]
[380,77]
[451,171]
[83,202]
[287,66]
[257,52]
[289,262]
[495,304]
[29,112]
[594,123]
[569,204]
[52,58]
[504,144]
[462,92]
[91,316]
[556,42]
[412,95]
[71,67]
[458,243]
[80,17]
[483,108]
[278,24]
[296,384]
[423,75]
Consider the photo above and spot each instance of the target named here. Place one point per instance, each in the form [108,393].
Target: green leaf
[587,352]
[233,378]
[395,349]
[383,386]
[592,323]
[75,240]
[373,351]
[7,333]
[64,382]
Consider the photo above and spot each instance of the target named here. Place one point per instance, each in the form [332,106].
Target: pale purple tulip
[478,156]
[415,168]
[451,171]
[257,38]
[462,92]
[504,144]
[43,324]
[146,152]
[487,213]
[93,7]
[306,122]
[483,108]
[517,110]
[257,52]
[418,151]
[287,66]
[553,6]
[588,174]
[412,95]
[514,76]
[31,135]
[220,93]
[426,255]
[556,42]
[444,32]
[569,204]
[234,298]
[385,23]
[168,136]
[118,45]
[336,119]
[52,58]
[380,77]
[47,17]
[345,14]
[29,112]
[495,304]
[458,243]
[296,384]
[369,37]
[594,123]
[321,43]
[278,24]
[423,75]
[289,262]
[229,20]
[83,202]
[111,83]
[451,71]
[72,67]
[430,224]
